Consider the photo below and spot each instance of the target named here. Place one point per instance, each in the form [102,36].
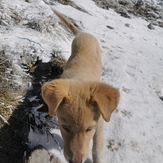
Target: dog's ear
[55,92]
[106,99]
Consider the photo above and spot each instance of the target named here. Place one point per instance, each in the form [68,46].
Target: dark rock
[109,27]
[150,26]
[127,25]
[160,24]
[161,98]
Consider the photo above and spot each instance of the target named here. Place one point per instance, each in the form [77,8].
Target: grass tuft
[14,133]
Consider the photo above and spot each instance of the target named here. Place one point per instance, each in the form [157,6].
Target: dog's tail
[71,26]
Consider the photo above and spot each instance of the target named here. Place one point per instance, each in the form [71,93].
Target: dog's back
[85,60]
[80,101]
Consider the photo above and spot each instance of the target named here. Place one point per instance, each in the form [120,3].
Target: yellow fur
[80,101]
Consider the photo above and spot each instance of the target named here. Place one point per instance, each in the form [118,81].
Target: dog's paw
[126,113]
[131,70]
[113,145]
[127,90]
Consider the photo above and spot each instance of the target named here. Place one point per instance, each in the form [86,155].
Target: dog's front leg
[98,143]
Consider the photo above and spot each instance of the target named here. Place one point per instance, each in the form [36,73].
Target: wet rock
[41,155]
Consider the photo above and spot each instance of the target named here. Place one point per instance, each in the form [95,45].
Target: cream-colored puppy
[80,101]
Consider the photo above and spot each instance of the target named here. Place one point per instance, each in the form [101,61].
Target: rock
[41,155]
[150,26]
[160,24]
[108,26]
[127,25]
[161,98]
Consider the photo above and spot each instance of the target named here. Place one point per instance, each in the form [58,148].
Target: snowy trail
[132,59]
[133,62]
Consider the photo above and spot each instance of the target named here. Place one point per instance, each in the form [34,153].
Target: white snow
[132,59]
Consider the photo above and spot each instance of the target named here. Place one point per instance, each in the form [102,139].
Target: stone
[161,98]
[160,24]
[150,26]
[108,26]
[127,25]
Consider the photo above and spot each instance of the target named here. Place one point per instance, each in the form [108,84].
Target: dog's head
[78,106]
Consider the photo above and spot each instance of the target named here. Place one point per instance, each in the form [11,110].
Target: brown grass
[13,136]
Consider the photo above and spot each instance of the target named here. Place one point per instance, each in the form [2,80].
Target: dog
[79,100]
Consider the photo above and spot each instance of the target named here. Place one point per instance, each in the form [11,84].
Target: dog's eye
[89,129]
[66,128]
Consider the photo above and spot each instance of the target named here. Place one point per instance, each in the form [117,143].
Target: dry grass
[7,93]
[13,135]
[7,104]
[11,117]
